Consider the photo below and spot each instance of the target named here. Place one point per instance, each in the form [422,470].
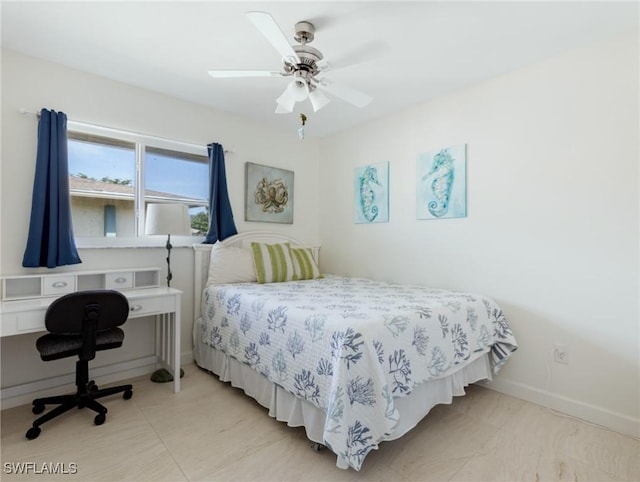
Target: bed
[354,361]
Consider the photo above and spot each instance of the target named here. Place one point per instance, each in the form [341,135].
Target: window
[102,181]
[114,174]
[179,177]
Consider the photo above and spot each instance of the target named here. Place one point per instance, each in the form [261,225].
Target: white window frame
[141,141]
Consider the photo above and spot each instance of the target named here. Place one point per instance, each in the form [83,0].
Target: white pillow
[230,264]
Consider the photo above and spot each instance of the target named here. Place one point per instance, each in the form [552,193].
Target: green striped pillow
[304,263]
[273,262]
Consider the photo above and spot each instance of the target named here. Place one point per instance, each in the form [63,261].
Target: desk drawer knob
[59,284]
[120,280]
[136,308]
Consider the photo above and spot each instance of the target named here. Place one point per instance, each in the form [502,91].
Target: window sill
[142,242]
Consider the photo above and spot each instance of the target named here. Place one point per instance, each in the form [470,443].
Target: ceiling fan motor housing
[308,57]
[307,68]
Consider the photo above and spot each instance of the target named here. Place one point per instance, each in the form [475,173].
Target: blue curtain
[221,223]
[50,242]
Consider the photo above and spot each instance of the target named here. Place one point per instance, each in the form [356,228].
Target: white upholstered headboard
[243,240]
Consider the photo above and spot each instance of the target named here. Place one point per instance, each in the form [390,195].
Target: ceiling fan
[302,63]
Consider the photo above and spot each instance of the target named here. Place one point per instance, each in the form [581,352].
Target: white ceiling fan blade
[323,65]
[227,74]
[269,28]
[355,97]
[367,52]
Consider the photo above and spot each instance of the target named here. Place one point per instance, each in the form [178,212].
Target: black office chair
[81,324]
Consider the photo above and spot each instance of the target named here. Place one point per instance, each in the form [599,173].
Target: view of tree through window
[107,196]
[171,176]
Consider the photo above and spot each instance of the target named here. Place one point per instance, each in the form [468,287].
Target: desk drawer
[30,321]
[151,306]
[22,322]
[118,281]
[58,285]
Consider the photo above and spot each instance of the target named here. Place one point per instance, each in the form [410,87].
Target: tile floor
[211,431]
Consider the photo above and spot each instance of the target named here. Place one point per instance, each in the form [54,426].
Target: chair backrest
[67,315]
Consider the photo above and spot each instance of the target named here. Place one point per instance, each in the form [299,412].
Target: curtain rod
[24,111]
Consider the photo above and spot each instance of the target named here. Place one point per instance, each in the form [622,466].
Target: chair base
[85,397]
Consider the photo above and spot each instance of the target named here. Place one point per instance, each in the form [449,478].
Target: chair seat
[52,347]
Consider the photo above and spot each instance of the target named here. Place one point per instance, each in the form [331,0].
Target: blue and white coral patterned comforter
[350,346]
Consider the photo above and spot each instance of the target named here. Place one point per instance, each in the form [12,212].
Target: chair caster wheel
[100,418]
[127,394]
[33,432]
[38,408]
[91,386]
[316,447]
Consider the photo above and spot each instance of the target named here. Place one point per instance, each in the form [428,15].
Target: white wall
[32,84]
[552,226]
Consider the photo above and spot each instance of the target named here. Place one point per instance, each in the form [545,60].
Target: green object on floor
[163,376]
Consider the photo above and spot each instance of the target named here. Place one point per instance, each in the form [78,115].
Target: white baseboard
[186,358]
[26,392]
[575,408]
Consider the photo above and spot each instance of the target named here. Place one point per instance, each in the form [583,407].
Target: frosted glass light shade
[285,104]
[167,219]
[318,100]
[297,90]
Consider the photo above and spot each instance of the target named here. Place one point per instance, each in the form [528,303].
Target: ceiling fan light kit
[298,89]
[300,62]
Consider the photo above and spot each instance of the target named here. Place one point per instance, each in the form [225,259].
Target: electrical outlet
[561,353]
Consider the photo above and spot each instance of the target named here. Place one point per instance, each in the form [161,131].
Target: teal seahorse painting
[441,184]
[371,189]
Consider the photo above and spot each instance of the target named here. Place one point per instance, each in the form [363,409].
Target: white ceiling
[398,52]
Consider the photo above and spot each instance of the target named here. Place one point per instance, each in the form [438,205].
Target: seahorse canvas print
[441,190]
[371,190]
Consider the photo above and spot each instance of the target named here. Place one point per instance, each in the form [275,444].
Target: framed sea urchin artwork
[268,194]
[441,189]
[371,193]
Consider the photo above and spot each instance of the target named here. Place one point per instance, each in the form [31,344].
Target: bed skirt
[284,407]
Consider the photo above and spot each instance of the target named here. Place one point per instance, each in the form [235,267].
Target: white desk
[18,317]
